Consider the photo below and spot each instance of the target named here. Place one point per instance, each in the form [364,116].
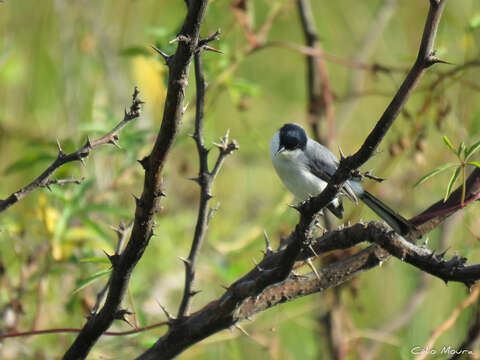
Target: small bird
[305,167]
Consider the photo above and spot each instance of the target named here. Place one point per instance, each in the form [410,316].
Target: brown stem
[44,179]
[205,179]
[148,204]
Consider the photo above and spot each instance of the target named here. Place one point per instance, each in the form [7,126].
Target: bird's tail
[401,225]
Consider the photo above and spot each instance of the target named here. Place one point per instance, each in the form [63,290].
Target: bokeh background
[68,69]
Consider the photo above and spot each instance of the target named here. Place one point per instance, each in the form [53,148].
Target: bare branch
[205,180]
[44,179]
[424,60]
[149,202]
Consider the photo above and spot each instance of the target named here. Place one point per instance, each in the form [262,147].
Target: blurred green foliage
[67,70]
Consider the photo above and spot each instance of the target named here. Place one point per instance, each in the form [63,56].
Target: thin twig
[425,59]
[205,179]
[122,235]
[62,158]
[72,330]
[262,280]
[149,202]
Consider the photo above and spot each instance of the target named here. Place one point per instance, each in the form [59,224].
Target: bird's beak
[280,150]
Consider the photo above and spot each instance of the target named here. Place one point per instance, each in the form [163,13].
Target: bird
[305,167]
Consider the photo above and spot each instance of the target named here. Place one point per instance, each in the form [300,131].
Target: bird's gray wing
[323,164]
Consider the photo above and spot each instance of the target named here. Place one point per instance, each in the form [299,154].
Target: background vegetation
[67,70]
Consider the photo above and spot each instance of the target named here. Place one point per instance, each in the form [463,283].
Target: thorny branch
[425,59]
[62,158]
[149,202]
[122,234]
[244,297]
[205,179]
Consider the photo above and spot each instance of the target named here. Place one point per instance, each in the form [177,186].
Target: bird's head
[291,137]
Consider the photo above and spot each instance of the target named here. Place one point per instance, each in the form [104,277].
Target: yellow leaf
[51,216]
[149,74]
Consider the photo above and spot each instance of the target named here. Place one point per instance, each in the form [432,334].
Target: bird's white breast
[291,167]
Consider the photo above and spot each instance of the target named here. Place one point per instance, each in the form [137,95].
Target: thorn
[296,207]
[138,201]
[310,265]
[195,179]
[89,143]
[194,292]
[442,254]
[144,162]
[169,316]
[432,59]
[186,261]
[60,151]
[114,142]
[179,38]
[256,265]
[165,56]
[112,258]
[241,329]
[267,243]
[209,48]
[48,187]
[313,250]
[162,194]
[82,161]
[342,155]
[120,315]
[185,108]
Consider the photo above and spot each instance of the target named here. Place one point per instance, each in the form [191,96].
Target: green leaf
[474,22]
[474,163]
[136,51]
[461,148]
[158,32]
[95,260]
[27,162]
[84,283]
[103,208]
[472,150]
[96,228]
[435,172]
[451,183]
[447,141]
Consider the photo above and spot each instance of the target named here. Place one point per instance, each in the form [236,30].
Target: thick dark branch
[122,234]
[251,294]
[148,204]
[276,267]
[205,180]
[438,212]
[425,59]
[44,179]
